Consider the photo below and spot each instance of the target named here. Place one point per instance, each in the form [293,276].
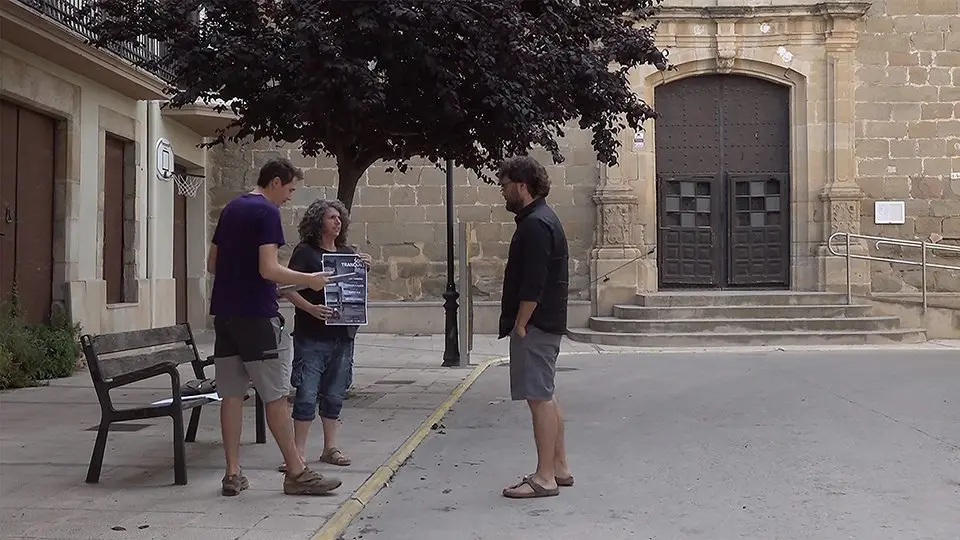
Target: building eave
[200,117]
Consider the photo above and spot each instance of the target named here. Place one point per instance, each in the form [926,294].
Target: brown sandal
[538,490]
[334,456]
[561,481]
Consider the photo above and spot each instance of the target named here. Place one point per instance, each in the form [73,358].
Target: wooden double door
[723,183]
[27,161]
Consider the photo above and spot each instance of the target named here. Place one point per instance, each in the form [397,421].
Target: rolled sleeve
[535,246]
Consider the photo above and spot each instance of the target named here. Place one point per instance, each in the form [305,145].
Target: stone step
[788,311]
[711,326]
[741,298]
[728,339]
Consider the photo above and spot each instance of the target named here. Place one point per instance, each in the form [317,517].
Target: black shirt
[307,258]
[536,270]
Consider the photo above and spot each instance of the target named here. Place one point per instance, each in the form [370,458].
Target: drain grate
[394,382]
[121,427]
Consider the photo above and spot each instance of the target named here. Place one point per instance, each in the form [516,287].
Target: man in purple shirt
[243,259]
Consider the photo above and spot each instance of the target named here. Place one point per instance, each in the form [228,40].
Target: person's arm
[536,244]
[271,269]
[298,300]
[212,253]
[212,259]
[271,238]
[301,261]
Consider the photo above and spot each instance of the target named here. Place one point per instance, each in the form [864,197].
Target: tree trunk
[349,175]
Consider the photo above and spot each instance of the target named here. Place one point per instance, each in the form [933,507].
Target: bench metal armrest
[146,373]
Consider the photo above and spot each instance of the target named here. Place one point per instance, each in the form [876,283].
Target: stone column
[840,200]
[614,261]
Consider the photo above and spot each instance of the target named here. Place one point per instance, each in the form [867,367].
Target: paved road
[777,445]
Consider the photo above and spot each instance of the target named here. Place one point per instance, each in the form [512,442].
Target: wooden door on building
[27,155]
[114,232]
[180,249]
[723,183]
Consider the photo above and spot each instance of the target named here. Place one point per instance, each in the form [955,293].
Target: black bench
[120,359]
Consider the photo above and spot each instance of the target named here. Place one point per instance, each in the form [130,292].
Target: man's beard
[513,206]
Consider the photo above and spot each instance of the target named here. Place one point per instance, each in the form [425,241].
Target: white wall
[86,110]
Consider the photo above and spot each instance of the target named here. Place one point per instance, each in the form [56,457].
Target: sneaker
[309,483]
[233,484]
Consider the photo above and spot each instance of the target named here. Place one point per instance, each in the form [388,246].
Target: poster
[346,290]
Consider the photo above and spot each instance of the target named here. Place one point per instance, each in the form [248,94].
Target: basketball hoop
[188,184]
[164,159]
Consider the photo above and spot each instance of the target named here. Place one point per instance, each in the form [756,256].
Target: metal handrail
[882,240]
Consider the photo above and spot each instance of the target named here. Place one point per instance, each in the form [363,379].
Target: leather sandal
[561,481]
[334,456]
[538,490]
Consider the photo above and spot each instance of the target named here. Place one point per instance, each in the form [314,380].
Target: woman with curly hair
[322,354]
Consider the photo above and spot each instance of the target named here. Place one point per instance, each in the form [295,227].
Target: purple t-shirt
[246,223]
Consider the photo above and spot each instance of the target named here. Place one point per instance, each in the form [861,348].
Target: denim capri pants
[322,373]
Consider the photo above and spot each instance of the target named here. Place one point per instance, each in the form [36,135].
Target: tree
[370,80]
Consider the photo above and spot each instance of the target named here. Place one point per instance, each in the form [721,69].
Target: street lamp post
[451,345]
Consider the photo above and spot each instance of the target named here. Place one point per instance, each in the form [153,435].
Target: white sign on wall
[164,158]
[889,212]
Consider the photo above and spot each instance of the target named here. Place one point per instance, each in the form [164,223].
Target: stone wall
[908,131]
[400,219]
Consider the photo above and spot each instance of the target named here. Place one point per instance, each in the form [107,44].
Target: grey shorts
[270,377]
[533,364]
[246,350]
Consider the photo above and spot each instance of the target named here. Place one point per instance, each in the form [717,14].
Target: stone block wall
[400,218]
[907,92]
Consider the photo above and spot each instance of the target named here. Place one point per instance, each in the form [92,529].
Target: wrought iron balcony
[64,12]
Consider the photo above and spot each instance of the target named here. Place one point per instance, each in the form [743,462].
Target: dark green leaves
[472,80]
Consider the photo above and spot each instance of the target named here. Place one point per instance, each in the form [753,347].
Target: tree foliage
[369,80]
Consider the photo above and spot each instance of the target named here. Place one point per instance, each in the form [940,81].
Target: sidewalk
[47,435]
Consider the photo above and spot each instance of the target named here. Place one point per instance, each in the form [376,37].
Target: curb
[352,507]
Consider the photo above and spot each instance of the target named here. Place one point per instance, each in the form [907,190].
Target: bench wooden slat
[139,339]
[113,367]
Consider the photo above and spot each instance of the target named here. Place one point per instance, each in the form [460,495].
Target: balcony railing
[65,13]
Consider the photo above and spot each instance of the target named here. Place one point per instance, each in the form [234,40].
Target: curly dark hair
[526,170]
[311,224]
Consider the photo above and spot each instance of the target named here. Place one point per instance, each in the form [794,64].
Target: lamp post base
[451,344]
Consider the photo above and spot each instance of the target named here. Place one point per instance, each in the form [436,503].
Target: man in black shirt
[534,315]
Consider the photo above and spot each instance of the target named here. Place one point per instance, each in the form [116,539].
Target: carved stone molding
[726,45]
[845,217]
[615,265]
[833,10]
[725,64]
[837,22]
[842,207]
[616,211]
